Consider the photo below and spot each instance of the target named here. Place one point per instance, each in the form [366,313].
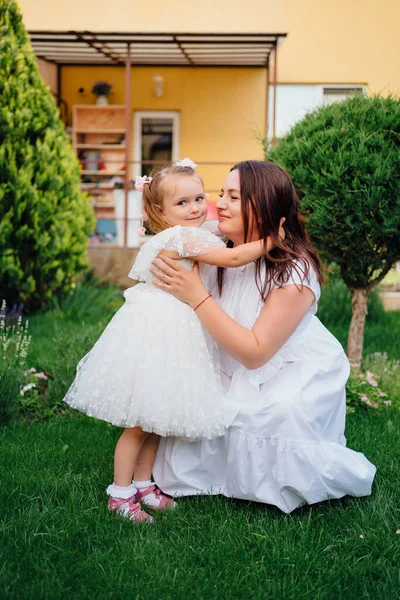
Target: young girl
[151,371]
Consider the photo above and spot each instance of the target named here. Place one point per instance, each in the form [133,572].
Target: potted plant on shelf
[101,89]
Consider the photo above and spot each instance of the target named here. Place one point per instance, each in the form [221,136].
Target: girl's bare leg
[126,454]
[146,458]
[149,493]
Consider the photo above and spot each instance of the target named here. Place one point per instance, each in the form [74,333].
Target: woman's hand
[177,280]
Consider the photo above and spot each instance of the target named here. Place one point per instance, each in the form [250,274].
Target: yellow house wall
[342,41]
[215,111]
[329,41]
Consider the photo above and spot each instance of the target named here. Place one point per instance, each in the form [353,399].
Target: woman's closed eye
[221,195]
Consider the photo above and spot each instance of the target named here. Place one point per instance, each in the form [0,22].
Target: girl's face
[184,201]
[229,209]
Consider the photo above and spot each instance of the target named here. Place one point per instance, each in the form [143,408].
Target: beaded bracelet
[200,303]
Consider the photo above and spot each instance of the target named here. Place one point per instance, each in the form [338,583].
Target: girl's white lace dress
[153,364]
[285,444]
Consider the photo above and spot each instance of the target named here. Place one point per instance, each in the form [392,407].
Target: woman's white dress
[153,364]
[286,443]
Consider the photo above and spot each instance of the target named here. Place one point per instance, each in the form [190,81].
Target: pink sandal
[129,509]
[166,502]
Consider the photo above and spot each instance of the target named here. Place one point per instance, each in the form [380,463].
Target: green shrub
[363,391]
[34,404]
[88,300]
[387,371]
[345,162]
[45,219]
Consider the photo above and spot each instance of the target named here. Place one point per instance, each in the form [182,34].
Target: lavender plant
[14,344]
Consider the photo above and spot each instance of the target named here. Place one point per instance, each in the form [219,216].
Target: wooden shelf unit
[98,138]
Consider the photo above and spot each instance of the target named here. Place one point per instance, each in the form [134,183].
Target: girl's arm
[240,255]
[282,313]
[235,257]
[227,257]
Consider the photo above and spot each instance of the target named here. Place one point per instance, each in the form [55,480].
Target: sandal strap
[141,493]
[164,499]
[133,507]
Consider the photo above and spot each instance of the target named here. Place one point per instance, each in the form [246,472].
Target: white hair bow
[186,162]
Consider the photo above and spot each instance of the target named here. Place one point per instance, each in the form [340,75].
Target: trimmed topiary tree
[45,219]
[345,163]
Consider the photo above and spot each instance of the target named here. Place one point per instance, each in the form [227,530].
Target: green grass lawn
[59,542]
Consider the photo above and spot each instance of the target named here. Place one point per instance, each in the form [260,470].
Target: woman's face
[229,209]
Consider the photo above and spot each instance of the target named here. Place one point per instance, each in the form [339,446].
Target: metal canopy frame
[86,48]
[157,49]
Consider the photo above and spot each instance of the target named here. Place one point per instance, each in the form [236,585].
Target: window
[155,138]
[294,101]
[336,94]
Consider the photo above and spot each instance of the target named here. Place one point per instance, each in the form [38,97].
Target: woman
[283,373]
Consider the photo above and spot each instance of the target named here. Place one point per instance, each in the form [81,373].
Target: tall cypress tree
[44,217]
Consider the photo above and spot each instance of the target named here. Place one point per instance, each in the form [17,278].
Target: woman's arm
[282,313]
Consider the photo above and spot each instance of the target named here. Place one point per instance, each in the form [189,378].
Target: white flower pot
[102,100]
[134,217]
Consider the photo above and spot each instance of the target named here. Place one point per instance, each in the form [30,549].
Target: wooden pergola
[87,48]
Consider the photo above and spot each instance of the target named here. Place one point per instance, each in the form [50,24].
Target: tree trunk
[359,299]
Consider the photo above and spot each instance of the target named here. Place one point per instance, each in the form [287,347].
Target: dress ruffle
[284,473]
[289,474]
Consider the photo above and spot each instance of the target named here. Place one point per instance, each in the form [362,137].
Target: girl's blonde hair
[153,195]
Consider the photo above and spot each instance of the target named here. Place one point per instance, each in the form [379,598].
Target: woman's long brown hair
[267,195]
